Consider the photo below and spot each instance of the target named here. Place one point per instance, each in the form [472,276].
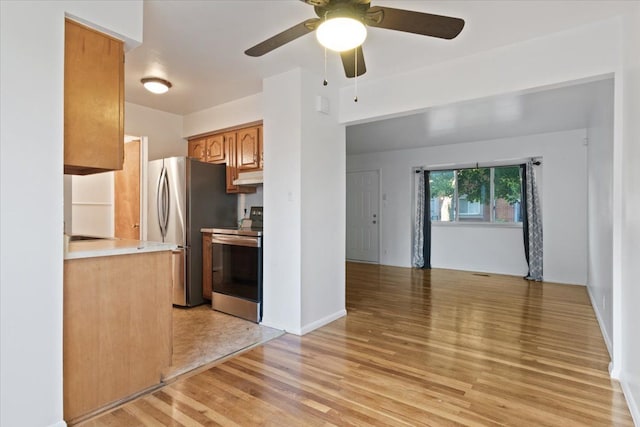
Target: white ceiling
[551,110]
[199,45]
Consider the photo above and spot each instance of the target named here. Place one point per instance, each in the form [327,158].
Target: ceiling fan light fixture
[156,84]
[341,33]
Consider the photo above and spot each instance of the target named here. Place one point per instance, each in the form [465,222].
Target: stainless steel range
[237,272]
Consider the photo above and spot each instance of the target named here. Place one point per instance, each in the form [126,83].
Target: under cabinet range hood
[249,178]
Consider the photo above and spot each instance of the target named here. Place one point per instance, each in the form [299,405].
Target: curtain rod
[507,162]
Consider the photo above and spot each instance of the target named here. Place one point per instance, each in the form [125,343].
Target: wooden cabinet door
[93,101]
[197,149]
[248,149]
[216,150]
[232,169]
[232,172]
[206,267]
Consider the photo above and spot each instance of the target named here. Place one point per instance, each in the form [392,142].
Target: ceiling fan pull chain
[355,99]
[324,82]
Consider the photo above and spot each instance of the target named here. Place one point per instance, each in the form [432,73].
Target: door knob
[135,226]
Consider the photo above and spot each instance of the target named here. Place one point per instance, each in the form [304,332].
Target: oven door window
[236,271]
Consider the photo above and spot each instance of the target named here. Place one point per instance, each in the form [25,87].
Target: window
[476,195]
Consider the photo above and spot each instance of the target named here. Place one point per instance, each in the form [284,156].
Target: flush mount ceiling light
[341,33]
[156,85]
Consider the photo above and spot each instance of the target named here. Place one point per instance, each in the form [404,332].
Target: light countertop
[110,247]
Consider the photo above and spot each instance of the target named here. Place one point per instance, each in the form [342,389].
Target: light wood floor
[435,348]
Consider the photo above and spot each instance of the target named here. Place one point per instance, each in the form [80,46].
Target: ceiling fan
[358,14]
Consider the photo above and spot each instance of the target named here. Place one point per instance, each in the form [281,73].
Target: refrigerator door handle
[159,203]
[165,202]
[162,202]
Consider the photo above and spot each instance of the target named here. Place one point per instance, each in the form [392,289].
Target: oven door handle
[251,242]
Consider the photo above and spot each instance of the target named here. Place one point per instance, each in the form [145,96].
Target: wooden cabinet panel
[207,284]
[216,149]
[93,101]
[232,172]
[117,335]
[248,148]
[210,149]
[197,149]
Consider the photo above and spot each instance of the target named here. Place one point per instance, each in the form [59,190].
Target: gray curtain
[532,225]
[418,231]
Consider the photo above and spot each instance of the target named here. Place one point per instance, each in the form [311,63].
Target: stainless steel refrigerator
[186,195]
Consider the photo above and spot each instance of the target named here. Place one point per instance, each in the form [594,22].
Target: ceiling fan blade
[349,62]
[426,24]
[325,3]
[284,37]
[319,3]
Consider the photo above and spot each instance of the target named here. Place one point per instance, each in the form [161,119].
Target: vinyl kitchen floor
[202,336]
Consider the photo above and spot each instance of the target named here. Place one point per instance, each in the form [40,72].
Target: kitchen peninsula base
[117,327]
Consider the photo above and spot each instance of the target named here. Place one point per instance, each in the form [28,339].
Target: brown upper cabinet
[240,148]
[210,149]
[216,149]
[249,149]
[93,101]
[197,149]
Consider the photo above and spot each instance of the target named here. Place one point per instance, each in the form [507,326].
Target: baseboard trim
[321,322]
[596,310]
[275,325]
[59,424]
[632,401]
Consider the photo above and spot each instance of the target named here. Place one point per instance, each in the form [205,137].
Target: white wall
[240,111]
[304,205]
[323,207]
[31,187]
[600,202]
[570,55]
[562,184]
[282,205]
[163,129]
[92,205]
[630,292]
[490,249]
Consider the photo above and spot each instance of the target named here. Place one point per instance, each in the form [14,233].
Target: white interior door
[363,222]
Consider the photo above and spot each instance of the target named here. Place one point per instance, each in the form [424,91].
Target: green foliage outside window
[442,184]
[508,184]
[474,186]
